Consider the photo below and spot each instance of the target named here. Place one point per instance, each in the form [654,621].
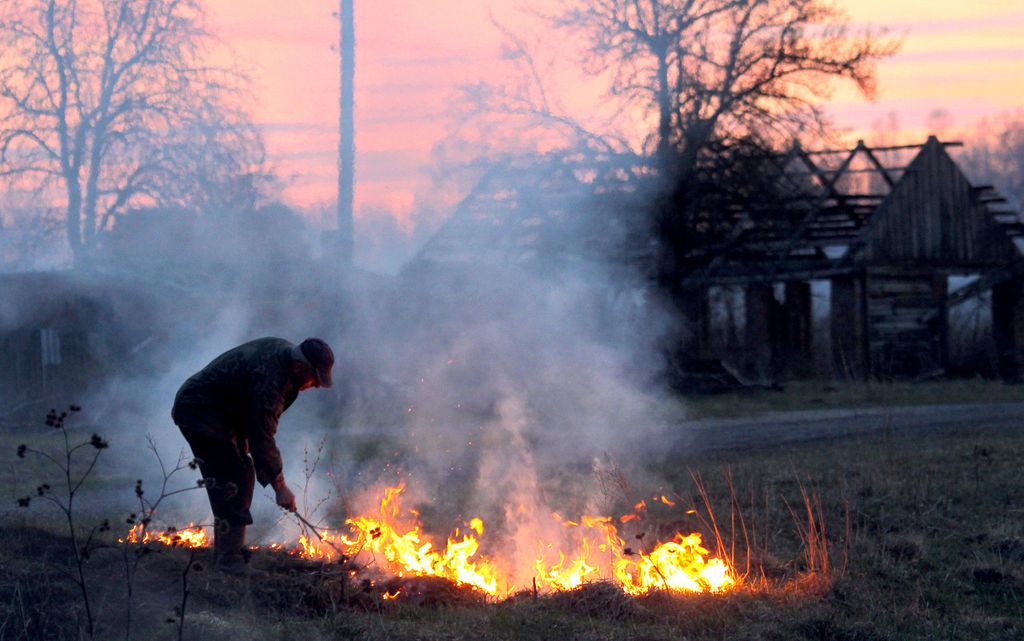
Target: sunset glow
[966,58]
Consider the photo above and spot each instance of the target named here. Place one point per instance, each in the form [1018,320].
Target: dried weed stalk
[132,555]
[65,462]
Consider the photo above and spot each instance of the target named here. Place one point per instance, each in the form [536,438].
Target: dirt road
[777,429]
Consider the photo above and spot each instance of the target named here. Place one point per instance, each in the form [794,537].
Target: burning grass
[392,545]
[870,539]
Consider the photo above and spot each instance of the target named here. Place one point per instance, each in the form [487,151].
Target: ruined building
[886,227]
[884,230]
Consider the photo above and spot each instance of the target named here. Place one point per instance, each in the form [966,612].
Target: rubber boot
[228,544]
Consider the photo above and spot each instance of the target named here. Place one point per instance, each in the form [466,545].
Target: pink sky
[964,57]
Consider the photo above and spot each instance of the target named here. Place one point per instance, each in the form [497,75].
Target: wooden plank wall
[25,377]
[932,217]
[22,373]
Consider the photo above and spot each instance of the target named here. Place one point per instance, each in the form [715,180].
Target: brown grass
[859,540]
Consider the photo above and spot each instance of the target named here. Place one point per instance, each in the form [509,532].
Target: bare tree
[996,155]
[709,76]
[522,113]
[29,232]
[217,163]
[712,70]
[111,105]
[716,84]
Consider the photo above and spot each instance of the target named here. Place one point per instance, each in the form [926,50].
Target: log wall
[906,319]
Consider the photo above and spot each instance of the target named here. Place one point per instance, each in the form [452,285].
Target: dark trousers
[228,475]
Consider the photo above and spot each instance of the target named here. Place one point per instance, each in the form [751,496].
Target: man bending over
[228,413]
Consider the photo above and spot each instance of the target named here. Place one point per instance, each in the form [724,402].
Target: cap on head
[320,356]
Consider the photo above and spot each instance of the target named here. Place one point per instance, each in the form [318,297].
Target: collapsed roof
[840,211]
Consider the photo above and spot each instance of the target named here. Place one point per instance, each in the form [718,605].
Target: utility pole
[346,130]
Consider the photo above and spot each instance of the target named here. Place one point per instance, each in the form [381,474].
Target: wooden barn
[886,228]
[885,231]
[59,336]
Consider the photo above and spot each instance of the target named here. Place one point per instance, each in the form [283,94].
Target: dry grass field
[859,539]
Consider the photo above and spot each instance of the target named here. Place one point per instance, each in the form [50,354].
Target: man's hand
[284,496]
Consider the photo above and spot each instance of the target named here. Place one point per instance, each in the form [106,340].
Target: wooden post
[848,320]
[696,312]
[939,326]
[796,355]
[758,334]
[344,243]
[1008,328]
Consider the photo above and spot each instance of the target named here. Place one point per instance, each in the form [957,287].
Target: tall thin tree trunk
[89,226]
[663,152]
[73,217]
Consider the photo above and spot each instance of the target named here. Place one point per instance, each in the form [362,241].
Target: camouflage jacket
[241,395]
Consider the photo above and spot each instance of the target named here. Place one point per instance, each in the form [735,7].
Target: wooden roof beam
[828,184]
[757,274]
[868,170]
[885,174]
[820,152]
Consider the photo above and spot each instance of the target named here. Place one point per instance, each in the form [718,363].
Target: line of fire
[388,550]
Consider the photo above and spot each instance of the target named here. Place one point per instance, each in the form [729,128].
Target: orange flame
[594,550]
[407,552]
[680,565]
[562,577]
[193,536]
